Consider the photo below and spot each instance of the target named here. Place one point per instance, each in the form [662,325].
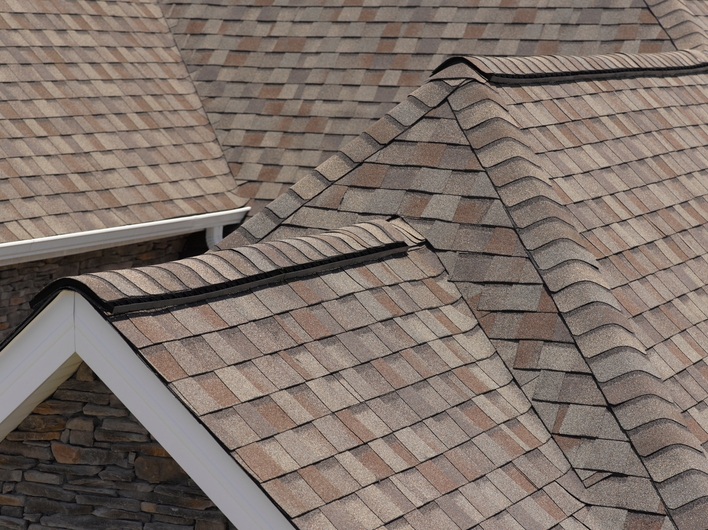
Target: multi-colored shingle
[487,310]
[286,86]
[570,193]
[100,125]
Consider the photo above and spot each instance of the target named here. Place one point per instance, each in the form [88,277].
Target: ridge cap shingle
[555,68]
[607,341]
[117,292]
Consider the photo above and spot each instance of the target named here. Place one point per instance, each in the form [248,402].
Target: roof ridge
[554,68]
[230,271]
[377,136]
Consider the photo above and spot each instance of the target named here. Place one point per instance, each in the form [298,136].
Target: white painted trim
[66,244]
[213,235]
[69,330]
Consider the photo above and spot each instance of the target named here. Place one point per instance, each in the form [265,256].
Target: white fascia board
[75,243]
[50,348]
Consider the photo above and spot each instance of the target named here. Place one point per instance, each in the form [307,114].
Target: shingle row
[100,125]
[277,83]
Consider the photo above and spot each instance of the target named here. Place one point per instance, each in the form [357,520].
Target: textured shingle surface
[524,350]
[633,180]
[100,125]
[573,231]
[367,395]
[286,85]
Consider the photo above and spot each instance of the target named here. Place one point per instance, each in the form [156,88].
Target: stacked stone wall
[82,461]
[19,283]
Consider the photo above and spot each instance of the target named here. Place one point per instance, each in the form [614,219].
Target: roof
[286,86]
[100,125]
[485,311]
[569,213]
[360,389]
[522,347]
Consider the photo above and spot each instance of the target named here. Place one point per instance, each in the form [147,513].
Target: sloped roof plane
[287,86]
[364,392]
[100,125]
[485,311]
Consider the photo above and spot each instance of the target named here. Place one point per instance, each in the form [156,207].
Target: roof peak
[554,68]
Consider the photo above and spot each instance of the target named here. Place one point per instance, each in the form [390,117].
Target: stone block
[88,522]
[81,438]
[12,523]
[83,397]
[101,411]
[84,373]
[12,500]
[209,525]
[10,475]
[114,473]
[42,423]
[123,425]
[102,435]
[52,406]
[34,489]
[81,423]
[33,475]
[12,511]
[69,454]
[28,451]
[48,507]
[156,470]
[70,471]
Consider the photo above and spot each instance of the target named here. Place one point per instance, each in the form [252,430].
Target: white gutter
[66,244]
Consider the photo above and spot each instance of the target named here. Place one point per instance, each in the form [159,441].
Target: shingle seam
[278,275]
[668,64]
[594,348]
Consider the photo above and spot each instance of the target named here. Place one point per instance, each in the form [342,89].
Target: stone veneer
[82,461]
[19,283]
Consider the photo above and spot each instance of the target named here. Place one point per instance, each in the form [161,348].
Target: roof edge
[562,68]
[15,252]
[69,330]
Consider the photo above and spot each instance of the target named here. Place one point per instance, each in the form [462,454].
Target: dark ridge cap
[137,303]
[562,68]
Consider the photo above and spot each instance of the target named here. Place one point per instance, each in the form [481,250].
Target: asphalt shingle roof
[486,311]
[364,394]
[287,85]
[100,125]
[571,224]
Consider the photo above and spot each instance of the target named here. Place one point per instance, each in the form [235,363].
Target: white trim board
[65,244]
[50,348]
